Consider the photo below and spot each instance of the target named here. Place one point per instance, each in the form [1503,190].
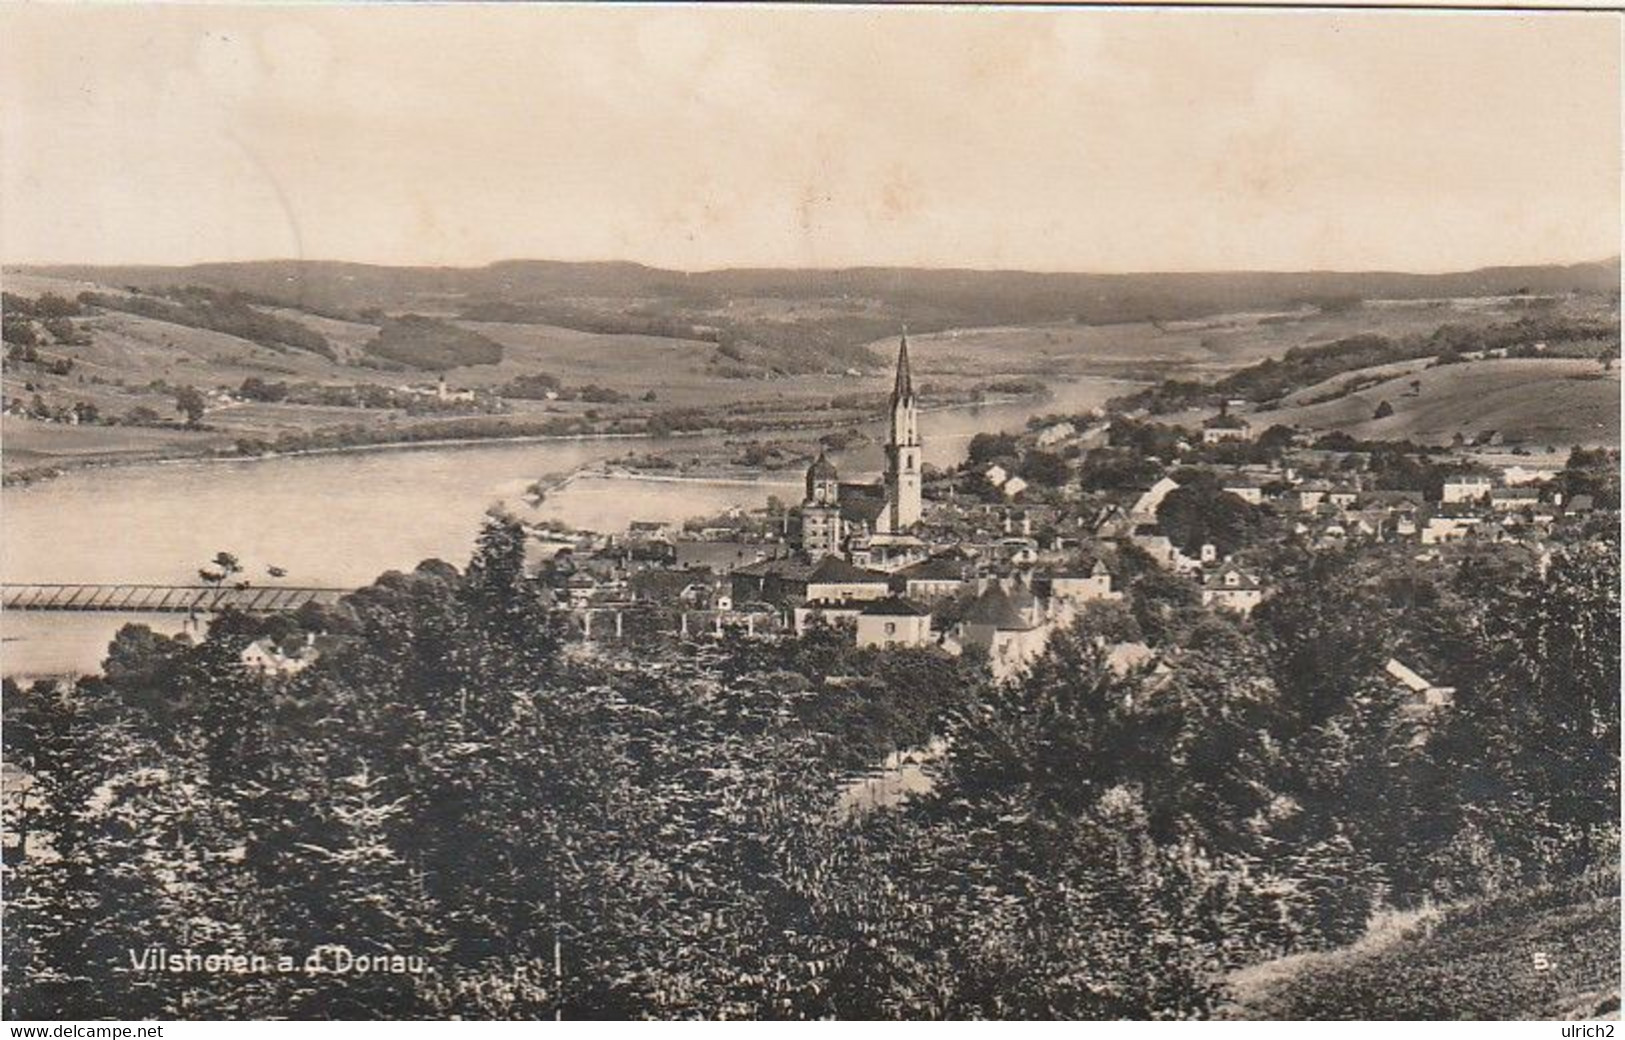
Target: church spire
[904,388]
[904,453]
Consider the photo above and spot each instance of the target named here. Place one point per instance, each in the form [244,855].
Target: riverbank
[57,467]
[343,516]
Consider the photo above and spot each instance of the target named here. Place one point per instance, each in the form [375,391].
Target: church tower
[821,527]
[903,452]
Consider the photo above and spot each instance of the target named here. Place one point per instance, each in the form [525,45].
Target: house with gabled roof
[268,659]
[1231,588]
[1079,587]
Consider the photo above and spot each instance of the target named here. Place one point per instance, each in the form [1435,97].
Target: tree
[18,330]
[51,305]
[1277,438]
[987,447]
[189,401]
[225,566]
[1544,713]
[1201,513]
[1044,468]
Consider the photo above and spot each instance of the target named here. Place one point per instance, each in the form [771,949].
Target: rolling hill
[931,298]
[1537,401]
[623,342]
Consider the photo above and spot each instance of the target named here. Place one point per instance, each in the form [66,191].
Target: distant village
[1001,553]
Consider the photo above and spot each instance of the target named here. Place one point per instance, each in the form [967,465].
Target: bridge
[164,599]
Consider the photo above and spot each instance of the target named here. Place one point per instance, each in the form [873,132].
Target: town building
[1464,489]
[1231,588]
[1078,589]
[1226,427]
[1009,626]
[894,621]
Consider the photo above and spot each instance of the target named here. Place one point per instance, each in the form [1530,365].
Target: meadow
[1548,953]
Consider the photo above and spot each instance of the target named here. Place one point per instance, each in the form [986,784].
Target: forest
[657,831]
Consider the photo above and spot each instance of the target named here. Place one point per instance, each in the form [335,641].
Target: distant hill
[928,298]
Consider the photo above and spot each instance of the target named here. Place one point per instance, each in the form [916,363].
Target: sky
[693,138]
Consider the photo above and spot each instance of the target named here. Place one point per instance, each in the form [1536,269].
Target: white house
[894,622]
[1055,433]
[1231,588]
[264,658]
[1507,499]
[1465,489]
[835,580]
[1011,627]
[940,577]
[1078,589]
[1226,427]
[1442,529]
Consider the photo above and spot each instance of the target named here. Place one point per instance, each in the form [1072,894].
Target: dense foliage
[431,343]
[664,829]
[227,312]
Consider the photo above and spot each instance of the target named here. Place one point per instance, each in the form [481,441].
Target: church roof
[904,387]
[862,503]
[821,469]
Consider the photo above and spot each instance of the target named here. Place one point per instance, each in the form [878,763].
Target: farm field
[1196,349]
[1476,963]
[1540,401]
[28,444]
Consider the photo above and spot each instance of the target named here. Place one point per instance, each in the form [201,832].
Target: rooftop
[1000,609]
[833,569]
[895,606]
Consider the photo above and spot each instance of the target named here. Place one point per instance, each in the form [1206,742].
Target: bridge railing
[137,598]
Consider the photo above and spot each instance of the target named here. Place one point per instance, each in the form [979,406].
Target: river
[342,519]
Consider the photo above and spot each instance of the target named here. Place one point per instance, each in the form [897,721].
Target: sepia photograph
[568,512]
